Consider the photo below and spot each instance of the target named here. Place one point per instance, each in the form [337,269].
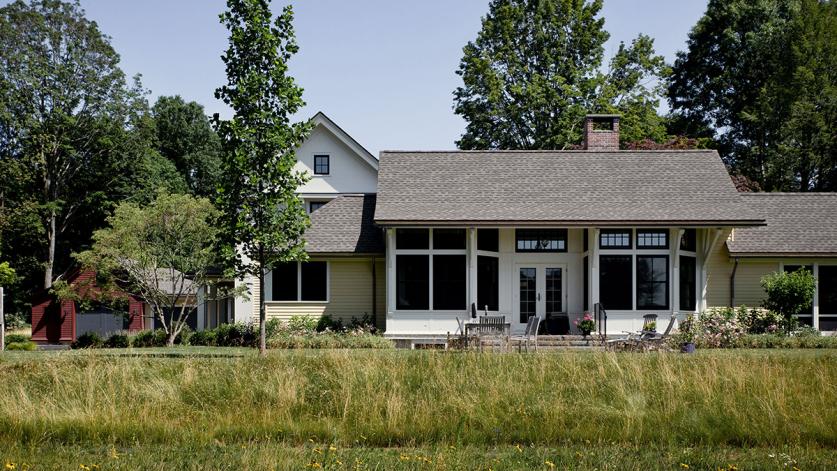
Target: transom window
[300,281]
[615,239]
[321,164]
[652,239]
[541,240]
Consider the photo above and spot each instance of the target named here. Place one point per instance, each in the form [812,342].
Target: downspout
[732,284]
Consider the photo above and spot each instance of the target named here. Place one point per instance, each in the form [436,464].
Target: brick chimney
[601,132]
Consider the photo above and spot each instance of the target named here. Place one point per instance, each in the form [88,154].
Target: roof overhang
[321,119]
[783,254]
[591,223]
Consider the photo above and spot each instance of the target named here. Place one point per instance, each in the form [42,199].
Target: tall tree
[185,137]
[264,220]
[762,75]
[534,71]
[64,104]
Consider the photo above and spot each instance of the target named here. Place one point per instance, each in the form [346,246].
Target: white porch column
[816,300]
[593,245]
[390,270]
[472,268]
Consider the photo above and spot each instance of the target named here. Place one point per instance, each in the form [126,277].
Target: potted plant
[586,324]
[686,335]
[651,327]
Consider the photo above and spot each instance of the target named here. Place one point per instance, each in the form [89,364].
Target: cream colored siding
[350,293]
[255,288]
[719,269]
[748,290]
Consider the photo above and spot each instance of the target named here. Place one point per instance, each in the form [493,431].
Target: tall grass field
[368,404]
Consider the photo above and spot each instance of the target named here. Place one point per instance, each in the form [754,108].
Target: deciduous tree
[263,218]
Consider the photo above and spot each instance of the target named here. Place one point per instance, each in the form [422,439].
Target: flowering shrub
[586,324]
[759,321]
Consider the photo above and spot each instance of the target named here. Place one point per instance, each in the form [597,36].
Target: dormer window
[321,164]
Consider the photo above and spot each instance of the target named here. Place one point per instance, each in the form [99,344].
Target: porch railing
[600,314]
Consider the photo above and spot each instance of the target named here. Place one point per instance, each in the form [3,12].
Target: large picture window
[541,240]
[652,282]
[688,283]
[306,281]
[827,291]
[412,281]
[488,283]
[449,282]
[615,282]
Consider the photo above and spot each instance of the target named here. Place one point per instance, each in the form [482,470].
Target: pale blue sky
[382,69]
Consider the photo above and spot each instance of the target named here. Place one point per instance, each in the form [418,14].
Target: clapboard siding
[748,290]
[719,269]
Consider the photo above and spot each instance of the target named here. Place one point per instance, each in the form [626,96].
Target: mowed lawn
[199,408]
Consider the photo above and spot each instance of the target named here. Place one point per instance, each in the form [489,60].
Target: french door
[540,290]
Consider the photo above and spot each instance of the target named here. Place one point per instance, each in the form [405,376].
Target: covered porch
[435,274]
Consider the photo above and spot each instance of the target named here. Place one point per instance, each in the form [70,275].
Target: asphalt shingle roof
[563,187]
[797,224]
[345,225]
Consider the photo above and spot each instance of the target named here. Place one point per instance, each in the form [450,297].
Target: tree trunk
[50,250]
[170,340]
[262,333]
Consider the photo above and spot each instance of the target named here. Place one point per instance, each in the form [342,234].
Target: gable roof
[321,119]
[798,224]
[345,225]
[558,188]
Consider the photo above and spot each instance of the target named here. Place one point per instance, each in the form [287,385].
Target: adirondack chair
[530,335]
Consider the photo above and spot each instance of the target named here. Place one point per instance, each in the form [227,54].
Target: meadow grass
[422,399]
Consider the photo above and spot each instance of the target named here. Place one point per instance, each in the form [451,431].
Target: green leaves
[789,294]
[534,72]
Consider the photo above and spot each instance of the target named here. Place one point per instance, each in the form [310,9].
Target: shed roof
[798,224]
[345,225]
[558,187]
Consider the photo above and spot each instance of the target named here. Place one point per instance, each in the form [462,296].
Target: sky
[383,70]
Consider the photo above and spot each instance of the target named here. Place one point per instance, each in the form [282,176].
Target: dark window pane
[806,320]
[528,290]
[688,279]
[689,240]
[541,240]
[827,289]
[586,241]
[615,239]
[810,268]
[554,290]
[315,205]
[652,239]
[449,239]
[412,239]
[412,280]
[488,240]
[488,283]
[321,165]
[284,282]
[615,281]
[652,282]
[586,284]
[828,323]
[314,281]
[449,285]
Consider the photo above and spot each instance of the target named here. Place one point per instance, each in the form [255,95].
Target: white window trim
[430,252]
[299,286]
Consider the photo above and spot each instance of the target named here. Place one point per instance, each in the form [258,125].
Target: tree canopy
[763,76]
[263,218]
[534,71]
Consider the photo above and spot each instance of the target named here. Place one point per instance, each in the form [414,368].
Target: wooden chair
[530,335]
[657,341]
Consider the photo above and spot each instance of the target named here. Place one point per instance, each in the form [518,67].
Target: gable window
[541,240]
[300,281]
[321,164]
[615,239]
[652,282]
[315,205]
[652,239]
[615,281]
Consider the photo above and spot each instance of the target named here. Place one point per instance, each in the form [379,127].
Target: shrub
[150,338]
[87,340]
[26,345]
[717,328]
[17,338]
[303,324]
[117,341]
[204,338]
[236,335]
[330,340]
[789,294]
[273,327]
[782,341]
[760,321]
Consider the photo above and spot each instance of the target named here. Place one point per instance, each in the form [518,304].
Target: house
[416,238]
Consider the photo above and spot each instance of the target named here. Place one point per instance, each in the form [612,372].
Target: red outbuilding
[62,321]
